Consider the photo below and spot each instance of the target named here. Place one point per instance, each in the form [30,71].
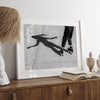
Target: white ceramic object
[3,76]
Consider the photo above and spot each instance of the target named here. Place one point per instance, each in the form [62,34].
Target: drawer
[67,92]
[27,94]
[94,90]
[54,93]
[76,92]
[3,96]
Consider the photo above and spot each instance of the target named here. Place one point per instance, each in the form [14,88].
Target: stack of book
[79,75]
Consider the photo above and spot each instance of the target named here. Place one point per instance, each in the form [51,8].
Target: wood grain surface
[51,88]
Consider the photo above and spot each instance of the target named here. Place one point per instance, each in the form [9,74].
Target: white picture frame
[22,73]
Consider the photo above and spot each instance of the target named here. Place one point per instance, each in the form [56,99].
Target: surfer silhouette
[43,39]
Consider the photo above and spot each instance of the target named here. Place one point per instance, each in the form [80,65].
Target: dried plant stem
[9,25]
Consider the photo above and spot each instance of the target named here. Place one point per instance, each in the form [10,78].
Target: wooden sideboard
[52,88]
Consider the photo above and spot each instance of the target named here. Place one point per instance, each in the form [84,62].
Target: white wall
[85,10]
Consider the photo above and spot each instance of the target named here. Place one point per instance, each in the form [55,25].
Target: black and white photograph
[49,46]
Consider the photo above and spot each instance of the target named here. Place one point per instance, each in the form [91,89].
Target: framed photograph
[48,47]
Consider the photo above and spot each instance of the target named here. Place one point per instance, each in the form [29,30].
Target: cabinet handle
[69,91]
[14,97]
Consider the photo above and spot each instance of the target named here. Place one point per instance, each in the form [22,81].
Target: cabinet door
[29,94]
[36,94]
[54,93]
[18,95]
[76,92]
[3,96]
[94,90]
